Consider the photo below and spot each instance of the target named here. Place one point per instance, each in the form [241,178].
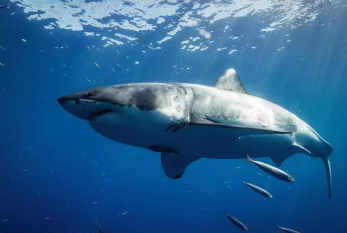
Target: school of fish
[273,171]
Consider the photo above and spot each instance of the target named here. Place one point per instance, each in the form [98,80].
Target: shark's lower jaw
[93,116]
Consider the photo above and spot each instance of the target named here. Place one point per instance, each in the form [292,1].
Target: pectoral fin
[174,165]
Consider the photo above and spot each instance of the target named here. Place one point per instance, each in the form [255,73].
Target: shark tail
[328,171]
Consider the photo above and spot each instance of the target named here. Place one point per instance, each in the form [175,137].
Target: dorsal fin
[230,81]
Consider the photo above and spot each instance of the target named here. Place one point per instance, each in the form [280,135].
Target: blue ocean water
[58,175]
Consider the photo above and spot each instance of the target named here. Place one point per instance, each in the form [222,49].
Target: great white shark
[185,122]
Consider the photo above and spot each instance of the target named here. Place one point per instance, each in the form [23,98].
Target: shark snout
[62,100]
[87,96]
[81,105]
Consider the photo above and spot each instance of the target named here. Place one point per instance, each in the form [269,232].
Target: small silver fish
[5,6]
[287,229]
[259,190]
[278,173]
[4,220]
[236,222]
[99,227]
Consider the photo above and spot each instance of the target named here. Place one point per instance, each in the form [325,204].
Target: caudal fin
[328,171]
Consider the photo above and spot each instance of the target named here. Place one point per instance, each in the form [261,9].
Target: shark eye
[89,94]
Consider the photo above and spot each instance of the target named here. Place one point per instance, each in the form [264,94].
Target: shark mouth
[93,116]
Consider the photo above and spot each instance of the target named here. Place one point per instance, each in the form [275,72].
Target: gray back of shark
[186,122]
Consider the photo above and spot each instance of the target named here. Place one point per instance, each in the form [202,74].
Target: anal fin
[278,160]
[174,165]
[296,148]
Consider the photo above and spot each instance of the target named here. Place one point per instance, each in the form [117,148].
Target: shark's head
[85,105]
[95,103]
[125,113]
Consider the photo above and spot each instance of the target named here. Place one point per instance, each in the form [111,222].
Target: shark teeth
[87,100]
[98,114]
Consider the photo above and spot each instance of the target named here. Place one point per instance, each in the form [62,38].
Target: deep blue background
[58,175]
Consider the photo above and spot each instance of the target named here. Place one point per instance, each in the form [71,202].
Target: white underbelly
[151,129]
